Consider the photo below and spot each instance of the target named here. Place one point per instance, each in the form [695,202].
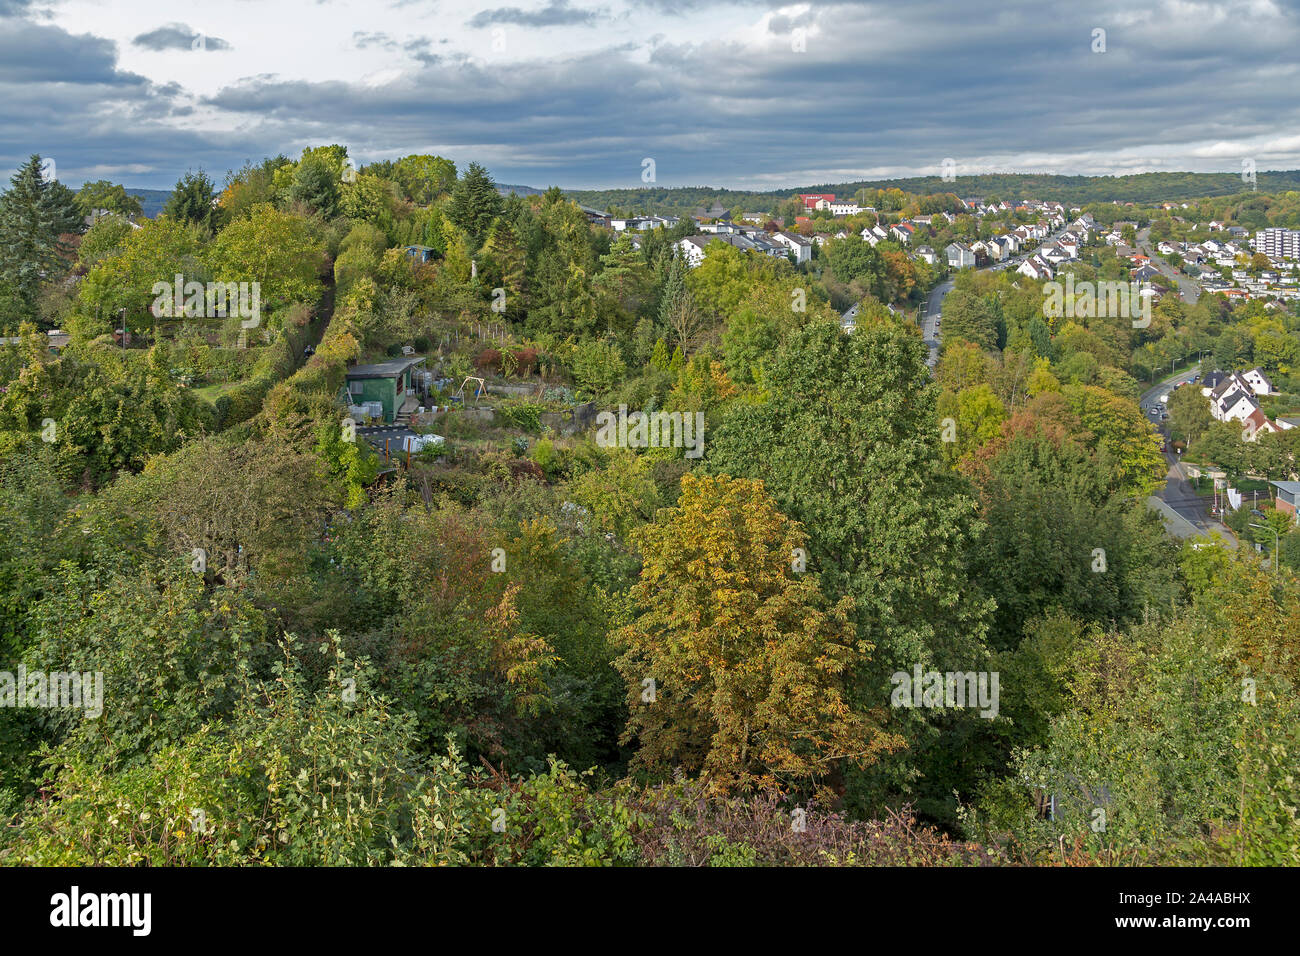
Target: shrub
[526,416]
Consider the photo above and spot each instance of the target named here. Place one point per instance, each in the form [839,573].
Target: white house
[1232,405]
[845,207]
[1258,381]
[926,253]
[960,256]
[1036,267]
[873,234]
[801,246]
[692,249]
[903,232]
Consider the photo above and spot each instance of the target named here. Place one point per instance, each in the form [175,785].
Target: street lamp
[1266,527]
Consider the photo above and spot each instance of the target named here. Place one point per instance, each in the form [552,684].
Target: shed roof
[390,369]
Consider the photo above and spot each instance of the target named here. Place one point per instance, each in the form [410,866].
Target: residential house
[816,201]
[800,246]
[1259,382]
[903,232]
[873,234]
[1036,267]
[1287,498]
[960,256]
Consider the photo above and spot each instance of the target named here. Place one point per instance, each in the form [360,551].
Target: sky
[583,93]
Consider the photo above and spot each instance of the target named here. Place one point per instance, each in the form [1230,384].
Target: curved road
[1178,495]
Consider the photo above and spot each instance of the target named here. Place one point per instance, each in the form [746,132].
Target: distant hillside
[506,190]
[1137,188]
[152,200]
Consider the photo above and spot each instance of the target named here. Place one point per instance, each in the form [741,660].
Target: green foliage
[475,202]
[526,416]
[597,366]
[193,202]
[34,216]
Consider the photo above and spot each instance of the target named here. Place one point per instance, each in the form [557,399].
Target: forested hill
[1140,187]
[151,200]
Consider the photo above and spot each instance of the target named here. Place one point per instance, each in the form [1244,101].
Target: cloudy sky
[579,93]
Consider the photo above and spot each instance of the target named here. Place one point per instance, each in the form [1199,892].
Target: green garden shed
[396,384]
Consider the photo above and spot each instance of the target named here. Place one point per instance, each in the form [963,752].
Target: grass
[210,393]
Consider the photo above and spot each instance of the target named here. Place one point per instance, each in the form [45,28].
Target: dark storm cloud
[14,8]
[877,86]
[63,96]
[554,14]
[34,53]
[895,87]
[178,36]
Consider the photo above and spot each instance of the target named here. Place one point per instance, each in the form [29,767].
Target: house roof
[390,369]
[1232,398]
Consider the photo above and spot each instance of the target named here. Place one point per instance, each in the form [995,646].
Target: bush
[526,416]
[597,366]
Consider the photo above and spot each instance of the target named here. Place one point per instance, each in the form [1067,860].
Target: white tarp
[1234,498]
[417,443]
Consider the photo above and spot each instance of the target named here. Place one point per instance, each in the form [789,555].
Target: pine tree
[34,215]
[193,200]
[475,202]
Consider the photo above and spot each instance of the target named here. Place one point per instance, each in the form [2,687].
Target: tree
[475,202]
[124,279]
[110,197]
[273,248]
[1060,535]
[316,185]
[619,497]
[976,413]
[103,239]
[369,199]
[194,200]
[747,661]
[847,442]
[422,178]
[968,316]
[34,216]
[1116,428]
[1189,412]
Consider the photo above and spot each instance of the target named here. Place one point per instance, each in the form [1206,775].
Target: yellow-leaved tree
[735,662]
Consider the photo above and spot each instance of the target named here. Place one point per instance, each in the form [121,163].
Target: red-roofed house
[817,200]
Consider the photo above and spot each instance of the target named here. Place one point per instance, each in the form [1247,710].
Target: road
[1190,291]
[930,323]
[1178,492]
[931,311]
[1193,517]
